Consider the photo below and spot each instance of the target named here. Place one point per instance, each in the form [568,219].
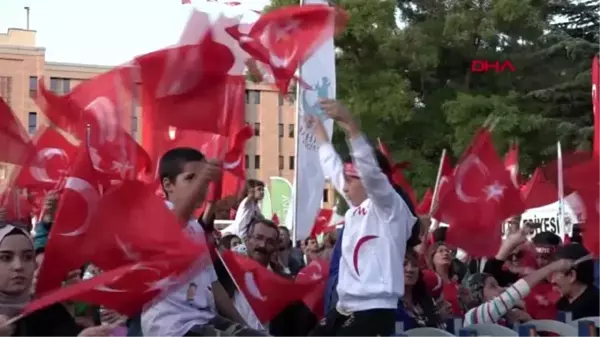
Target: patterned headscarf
[471,291]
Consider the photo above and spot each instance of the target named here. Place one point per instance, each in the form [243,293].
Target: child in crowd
[193,308]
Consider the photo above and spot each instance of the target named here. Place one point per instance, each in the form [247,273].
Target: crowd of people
[387,264]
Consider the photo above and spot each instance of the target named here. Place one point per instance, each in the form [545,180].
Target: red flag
[132,229]
[397,174]
[584,179]
[285,37]
[425,204]
[188,87]
[16,144]
[596,103]
[511,162]
[321,224]
[538,191]
[77,206]
[475,207]
[316,271]
[275,219]
[266,292]
[49,162]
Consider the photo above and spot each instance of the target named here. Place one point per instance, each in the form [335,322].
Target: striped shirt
[492,311]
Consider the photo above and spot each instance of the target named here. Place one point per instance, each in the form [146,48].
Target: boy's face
[179,189]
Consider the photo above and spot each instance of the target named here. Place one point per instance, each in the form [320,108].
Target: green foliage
[403,68]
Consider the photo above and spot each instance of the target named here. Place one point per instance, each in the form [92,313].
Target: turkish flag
[511,162]
[478,198]
[98,113]
[135,236]
[584,179]
[187,87]
[397,175]
[15,141]
[77,207]
[49,161]
[596,103]
[266,292]
[538,191]
[425,205]
[317,271]
[286,37]
[321,225]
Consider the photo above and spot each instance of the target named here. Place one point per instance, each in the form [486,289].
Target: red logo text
[484,66]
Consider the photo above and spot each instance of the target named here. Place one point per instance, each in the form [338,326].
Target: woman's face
[491,289]
[17,264]
[442,256]
[411,272]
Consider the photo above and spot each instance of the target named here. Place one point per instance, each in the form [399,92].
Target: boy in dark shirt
[579,295]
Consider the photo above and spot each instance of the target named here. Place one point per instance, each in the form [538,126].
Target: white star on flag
[494,191]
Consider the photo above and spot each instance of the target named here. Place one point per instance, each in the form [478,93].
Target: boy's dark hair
[172,162]
[250,184]
[386,167]
[547,239]
[584,270]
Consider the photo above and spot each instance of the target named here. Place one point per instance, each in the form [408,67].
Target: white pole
[296,159]
[561,191]
[436,187]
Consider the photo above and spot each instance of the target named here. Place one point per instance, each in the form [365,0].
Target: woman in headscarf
[17,266]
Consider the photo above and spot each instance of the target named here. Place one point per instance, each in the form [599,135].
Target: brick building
[22,64]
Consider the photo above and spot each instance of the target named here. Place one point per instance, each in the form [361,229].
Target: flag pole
[437,183]
[561,190]
[296,161]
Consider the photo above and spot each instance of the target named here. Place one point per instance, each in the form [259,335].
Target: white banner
[319,73]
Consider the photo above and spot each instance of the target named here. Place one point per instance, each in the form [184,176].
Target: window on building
[256,161]
[281,165]
[291,130]
[32,122]
[291,162]
[257,129]
[280,130]
[247,96]
[247,161]
[254,96]
[60,85]
[33,86]
[325,195]
[6,88]
[281,99]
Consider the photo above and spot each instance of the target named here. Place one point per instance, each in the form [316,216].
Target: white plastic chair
[596,321]
[492,330]
[557,327]
[427,332]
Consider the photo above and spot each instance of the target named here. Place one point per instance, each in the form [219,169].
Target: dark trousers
[221,326]
[374,322]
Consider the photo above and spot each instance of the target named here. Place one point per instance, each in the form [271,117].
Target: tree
[403,68]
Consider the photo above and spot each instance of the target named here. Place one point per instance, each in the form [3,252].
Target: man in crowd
[290,256]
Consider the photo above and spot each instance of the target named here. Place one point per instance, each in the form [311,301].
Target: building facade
[22,64]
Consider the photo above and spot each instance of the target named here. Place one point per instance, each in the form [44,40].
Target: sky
[108,32]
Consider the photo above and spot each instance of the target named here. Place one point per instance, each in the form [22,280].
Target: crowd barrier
[563,326]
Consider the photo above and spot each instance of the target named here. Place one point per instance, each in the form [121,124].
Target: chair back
[427,332]
[548,325]
[492,330]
